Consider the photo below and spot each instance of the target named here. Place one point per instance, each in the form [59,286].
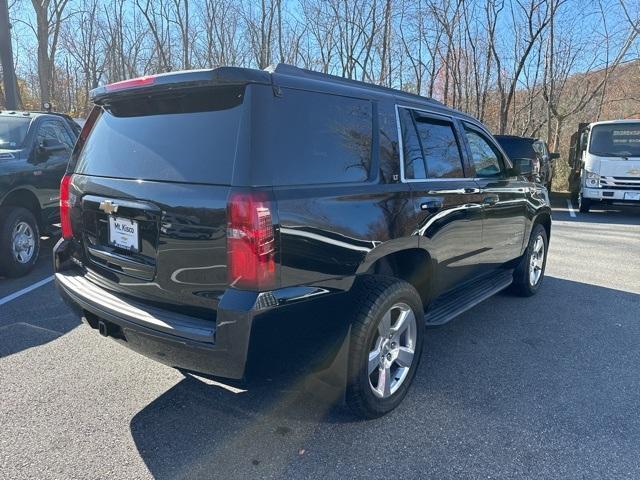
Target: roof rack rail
[292,70]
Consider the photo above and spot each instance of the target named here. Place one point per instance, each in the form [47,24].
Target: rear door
[447,202]
[503,198]
[154,176]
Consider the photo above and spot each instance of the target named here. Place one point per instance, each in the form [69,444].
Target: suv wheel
[530,272]
[584,204]
[19,241]
[386,345]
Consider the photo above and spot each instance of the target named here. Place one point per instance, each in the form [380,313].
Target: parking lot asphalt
[543,387]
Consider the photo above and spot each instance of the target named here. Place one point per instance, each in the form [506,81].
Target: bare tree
[49,19]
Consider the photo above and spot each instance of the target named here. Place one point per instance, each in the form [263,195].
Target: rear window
[517,147]
[13,131]
[182,136]
[315,138]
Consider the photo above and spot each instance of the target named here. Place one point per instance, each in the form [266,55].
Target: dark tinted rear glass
[184,136]
[517,147]
[315,138]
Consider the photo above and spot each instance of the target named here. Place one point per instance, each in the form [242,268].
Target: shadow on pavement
[37,317]
[558,370]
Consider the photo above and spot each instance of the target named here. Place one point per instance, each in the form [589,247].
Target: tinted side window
[63,135]
[485,158]
[317,138]
[414,166]
[54,132]
[440,148]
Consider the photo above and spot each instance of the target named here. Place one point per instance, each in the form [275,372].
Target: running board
[451,304]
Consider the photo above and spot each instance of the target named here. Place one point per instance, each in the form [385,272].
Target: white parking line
[570,207]
[28,289]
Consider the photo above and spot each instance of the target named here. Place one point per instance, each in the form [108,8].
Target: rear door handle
[490,200]
[431,206]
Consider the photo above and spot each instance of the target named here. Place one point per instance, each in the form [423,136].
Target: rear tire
[529,273]
[386,344]
[19,241]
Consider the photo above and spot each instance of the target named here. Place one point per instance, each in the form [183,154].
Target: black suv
[200,204]
[34,151]
[534,149]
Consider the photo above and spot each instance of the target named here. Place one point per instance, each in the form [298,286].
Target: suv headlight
[592,180]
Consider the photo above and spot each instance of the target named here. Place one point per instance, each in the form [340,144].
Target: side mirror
[47,148]
[522,166]
[554,155]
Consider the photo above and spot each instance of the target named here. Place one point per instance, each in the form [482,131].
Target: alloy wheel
[23,242]
[392,352]
[536,261]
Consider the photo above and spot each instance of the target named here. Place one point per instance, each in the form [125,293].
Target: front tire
[386,345]
[529,274]
[19,241]
[584,204]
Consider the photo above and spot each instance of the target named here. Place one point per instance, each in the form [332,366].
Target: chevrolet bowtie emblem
[107,206]
[634,172]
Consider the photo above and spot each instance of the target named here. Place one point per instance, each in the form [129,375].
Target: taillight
[65,206]
[250,241]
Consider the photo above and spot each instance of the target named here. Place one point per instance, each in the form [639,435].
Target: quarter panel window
[485,158]
[318,138]
[414,167]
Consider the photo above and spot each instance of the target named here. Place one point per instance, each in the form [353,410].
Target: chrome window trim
[444,116]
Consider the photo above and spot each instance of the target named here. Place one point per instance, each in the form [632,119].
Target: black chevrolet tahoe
[35,148]
[200,204]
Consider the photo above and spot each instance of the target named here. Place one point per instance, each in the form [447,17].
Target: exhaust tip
[102,328]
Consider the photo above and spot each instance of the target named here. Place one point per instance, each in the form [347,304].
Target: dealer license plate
[123,233]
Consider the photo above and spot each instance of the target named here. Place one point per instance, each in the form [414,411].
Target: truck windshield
[13,130]
[615,140]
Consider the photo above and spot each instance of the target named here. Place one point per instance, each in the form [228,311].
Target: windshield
[616,140]
[13,130]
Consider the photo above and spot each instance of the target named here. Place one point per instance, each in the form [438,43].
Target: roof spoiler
[181,79]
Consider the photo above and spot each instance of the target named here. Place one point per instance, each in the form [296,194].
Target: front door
[446,202]
[49,158]
[503,198]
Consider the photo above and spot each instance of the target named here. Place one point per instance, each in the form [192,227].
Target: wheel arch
[543,218]
[23,197]
[413,265]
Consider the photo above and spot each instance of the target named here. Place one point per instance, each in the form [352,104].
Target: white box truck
[605,163]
